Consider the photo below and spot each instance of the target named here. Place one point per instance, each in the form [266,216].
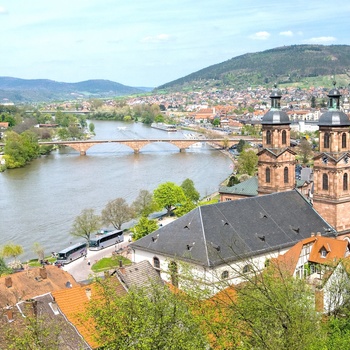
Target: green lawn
[109,263]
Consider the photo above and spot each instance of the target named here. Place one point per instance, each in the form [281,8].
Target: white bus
[71,253]
[106,240]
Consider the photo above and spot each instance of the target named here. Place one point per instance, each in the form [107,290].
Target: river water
[38,203]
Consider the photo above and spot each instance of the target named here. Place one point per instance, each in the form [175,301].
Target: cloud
[287,33]
[156,39]
[260,36]
[321,40]
[3,11]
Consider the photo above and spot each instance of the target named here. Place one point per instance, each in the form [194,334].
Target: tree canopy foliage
[248,162]
[144,227]
[85,224]
[117,212]
[144,204]
[168,195]
[190,190]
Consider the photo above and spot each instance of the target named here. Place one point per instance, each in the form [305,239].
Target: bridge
[83,145]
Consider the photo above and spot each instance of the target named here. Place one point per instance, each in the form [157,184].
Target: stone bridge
[83,145]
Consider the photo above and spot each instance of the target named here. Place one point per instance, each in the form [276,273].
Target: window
[284,137]
[345,182]
[325,182]
[267,175]
[323,253]
[285,175]
[247,268]
[326,140]
[268,137]
[343,140]
[156,263]
[224,274]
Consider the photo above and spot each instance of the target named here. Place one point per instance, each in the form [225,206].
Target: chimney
[8,282]
[9,314]
[318,234]
[30,308]
[121,267]
[88,293]
[312,234]
[43,273]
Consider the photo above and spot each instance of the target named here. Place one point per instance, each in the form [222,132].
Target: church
[223,241]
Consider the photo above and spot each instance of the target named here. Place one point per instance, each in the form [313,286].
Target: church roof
[334,118]
[245,188]
[230,231]
[275,117]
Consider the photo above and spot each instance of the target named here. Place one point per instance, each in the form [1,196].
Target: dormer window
[323,253]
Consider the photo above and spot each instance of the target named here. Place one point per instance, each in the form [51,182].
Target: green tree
[117,212]
[39,250]
[144,204]
[148,318]
[248,162]
[168,194]
[144,227]
[241,145]
[91,127]
[11,250]
[4,269]
[184,208]
[189,190]
[305,151]
[85,224]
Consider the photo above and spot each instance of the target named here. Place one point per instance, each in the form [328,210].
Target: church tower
[332,166]
[276,164]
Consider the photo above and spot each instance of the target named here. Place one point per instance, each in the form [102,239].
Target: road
[80,268]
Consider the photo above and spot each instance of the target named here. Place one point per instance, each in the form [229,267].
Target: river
[38,203]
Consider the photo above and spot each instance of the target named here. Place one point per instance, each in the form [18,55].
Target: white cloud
[260,36]
[3,11]
[287,33]
[321,40]
[156,38]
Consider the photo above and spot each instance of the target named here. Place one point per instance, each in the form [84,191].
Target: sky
[152,42]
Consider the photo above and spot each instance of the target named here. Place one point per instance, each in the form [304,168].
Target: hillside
[42,90]
[297,64]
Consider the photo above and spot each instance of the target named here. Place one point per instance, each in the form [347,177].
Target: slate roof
[245,188]
[141,274]
[230,231]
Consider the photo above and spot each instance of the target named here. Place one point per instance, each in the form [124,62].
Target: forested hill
[297,64]
[35,90]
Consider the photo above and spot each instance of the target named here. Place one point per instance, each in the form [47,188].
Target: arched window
[345,182]
[284,137]
[268,137]
[267,175]
[325,182]
[247,268]
[174,273]
[285,175]
[343,140]
[224,274]
[326,140]
[156,263]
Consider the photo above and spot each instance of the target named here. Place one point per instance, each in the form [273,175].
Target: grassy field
[109,263]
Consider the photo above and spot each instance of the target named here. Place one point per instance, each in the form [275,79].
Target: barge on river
[164,127]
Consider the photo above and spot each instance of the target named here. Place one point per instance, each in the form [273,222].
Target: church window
[268,137]
[343,140]
[156,263]
[284,137]
[247,268]
[345,182]
[325,182]
[268,175]
[326,140]
[285,175]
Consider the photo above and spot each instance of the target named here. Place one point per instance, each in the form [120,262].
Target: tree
[144,227]
[168,194]
[117,212]
[11,250]
[189,190]
[184,208]
[248,162]
[144,204]
[305,151]
[4,269]
[85,224]
[147,318]
[39,250]
[240,146]
[91,127]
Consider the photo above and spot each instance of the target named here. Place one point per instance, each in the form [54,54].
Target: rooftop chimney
[8,281]
[318,234]
[43,273]
[312,234]
[88,293]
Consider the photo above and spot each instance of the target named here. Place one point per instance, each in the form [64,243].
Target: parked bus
[71,253]
[106,240]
